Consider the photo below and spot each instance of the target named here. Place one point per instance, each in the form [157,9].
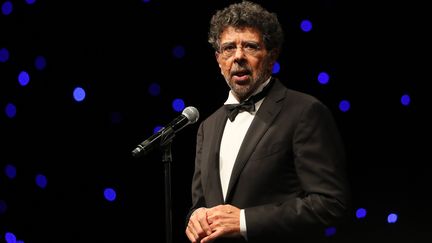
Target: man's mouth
[240,74]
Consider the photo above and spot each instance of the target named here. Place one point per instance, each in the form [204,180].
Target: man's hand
[207,224]
[198,226]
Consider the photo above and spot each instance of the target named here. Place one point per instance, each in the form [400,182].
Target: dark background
[115,50]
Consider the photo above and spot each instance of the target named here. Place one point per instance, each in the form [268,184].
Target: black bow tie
[247,105]
[234,109]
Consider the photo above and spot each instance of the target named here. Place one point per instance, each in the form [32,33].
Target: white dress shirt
[232,139]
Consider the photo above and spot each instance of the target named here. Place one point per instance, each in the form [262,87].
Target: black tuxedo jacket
[289,175]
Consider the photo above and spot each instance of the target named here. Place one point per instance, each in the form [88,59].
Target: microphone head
[191,113]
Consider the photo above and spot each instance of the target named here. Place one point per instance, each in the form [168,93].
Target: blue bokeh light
[4,55]
[330,231]
[405,100]
[392,218]
[306,25]
[361,213]
[178,105]
[79,94]
[157,128]
[154,89]
[10,237]
[110,194]
[344,105]
[323,78]
[179,51]
[40,62]
[7,8]
[30,1]
[10,171]
[23,78]
[41,181]
[276,68]
[10,110]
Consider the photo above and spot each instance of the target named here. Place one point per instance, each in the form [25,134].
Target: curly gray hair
[247,14]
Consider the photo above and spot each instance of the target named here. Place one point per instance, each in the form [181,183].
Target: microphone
[189,116]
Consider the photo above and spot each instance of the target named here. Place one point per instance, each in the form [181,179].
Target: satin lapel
[214,188]
[264,117]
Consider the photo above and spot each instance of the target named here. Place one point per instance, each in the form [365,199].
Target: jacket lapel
[263,118]
[214,188]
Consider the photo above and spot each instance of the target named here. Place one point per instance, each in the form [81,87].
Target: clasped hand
[207,224]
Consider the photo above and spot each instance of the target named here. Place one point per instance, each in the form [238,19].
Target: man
[271,170]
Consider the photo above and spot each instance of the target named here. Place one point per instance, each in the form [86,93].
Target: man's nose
[239,53]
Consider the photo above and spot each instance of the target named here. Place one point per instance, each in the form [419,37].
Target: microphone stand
[166,142]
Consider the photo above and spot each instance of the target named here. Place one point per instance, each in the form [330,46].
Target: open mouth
[240,75]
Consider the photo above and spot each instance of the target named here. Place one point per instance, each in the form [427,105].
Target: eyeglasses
[249,48]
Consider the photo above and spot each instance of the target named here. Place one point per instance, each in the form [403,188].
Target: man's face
[244,61]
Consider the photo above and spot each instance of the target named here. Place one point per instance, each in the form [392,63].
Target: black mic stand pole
[167,160]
